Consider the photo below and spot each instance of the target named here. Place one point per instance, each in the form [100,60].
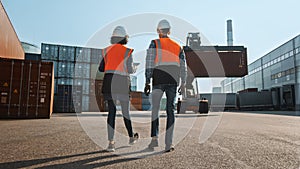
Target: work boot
[134,139]
[111,147]
[169,148]
[153,143]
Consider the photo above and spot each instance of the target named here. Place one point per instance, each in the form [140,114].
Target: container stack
[97,103]
[68,99]
[74,66]
[146,102]
[133,85]
[26,89]
[136,101]
[82,69]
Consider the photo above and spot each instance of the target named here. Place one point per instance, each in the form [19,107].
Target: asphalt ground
[217,140]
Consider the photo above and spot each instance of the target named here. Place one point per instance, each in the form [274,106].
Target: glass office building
[277,71]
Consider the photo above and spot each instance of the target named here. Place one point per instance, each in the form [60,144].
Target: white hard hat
[163,24]
[119,31]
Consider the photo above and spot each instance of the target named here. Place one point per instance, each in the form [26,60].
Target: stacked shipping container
[75,66]
[69,98]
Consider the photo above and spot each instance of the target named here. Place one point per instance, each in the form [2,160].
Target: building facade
[277,71]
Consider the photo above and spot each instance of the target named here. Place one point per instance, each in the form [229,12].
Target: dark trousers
[157,94]
[112,116]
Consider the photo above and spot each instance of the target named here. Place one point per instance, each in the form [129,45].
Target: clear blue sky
[260,25]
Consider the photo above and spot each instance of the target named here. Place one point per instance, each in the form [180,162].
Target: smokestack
[229,33]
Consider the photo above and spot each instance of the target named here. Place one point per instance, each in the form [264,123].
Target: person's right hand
[147,89]
[181,89]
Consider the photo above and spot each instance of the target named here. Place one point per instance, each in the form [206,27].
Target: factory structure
[277,72]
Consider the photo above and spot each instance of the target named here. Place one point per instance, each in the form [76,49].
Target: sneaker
[153,143]
[133,139]
[111,147]
[169,148]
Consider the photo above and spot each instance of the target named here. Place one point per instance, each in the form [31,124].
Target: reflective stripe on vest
[167,52]
[115,57]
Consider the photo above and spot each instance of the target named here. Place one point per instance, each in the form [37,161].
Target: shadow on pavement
[84,163]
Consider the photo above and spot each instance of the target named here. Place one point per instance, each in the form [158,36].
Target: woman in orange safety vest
[117,64]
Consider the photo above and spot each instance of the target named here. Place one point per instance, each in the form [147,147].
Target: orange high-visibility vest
[115,57]
[167,52]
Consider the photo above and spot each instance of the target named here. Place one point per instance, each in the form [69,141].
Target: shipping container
[220,101]
[255,100]
[10,44]
[136,95]
[82,70]
[85,85]
[33,56]
[136,101]
[146,100]
[49,52]
[65,69]
[136,107]
[68,99]
[96,91]
[66,53]
[163,104]
[64,81]
[96,56]
[93,105]
[95,74]
[85,103]
[83,54]
[92,88]
[26,89]
[55,86]
[188,104]
[217,61]
[55,65]
[133,88]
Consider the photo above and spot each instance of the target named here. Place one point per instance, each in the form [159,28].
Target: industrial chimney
[229,33]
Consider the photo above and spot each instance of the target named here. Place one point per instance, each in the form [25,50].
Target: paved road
[217,140]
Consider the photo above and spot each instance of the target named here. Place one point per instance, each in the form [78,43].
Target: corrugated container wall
[49,52]
[76,66]
[10,45]
[26,89]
